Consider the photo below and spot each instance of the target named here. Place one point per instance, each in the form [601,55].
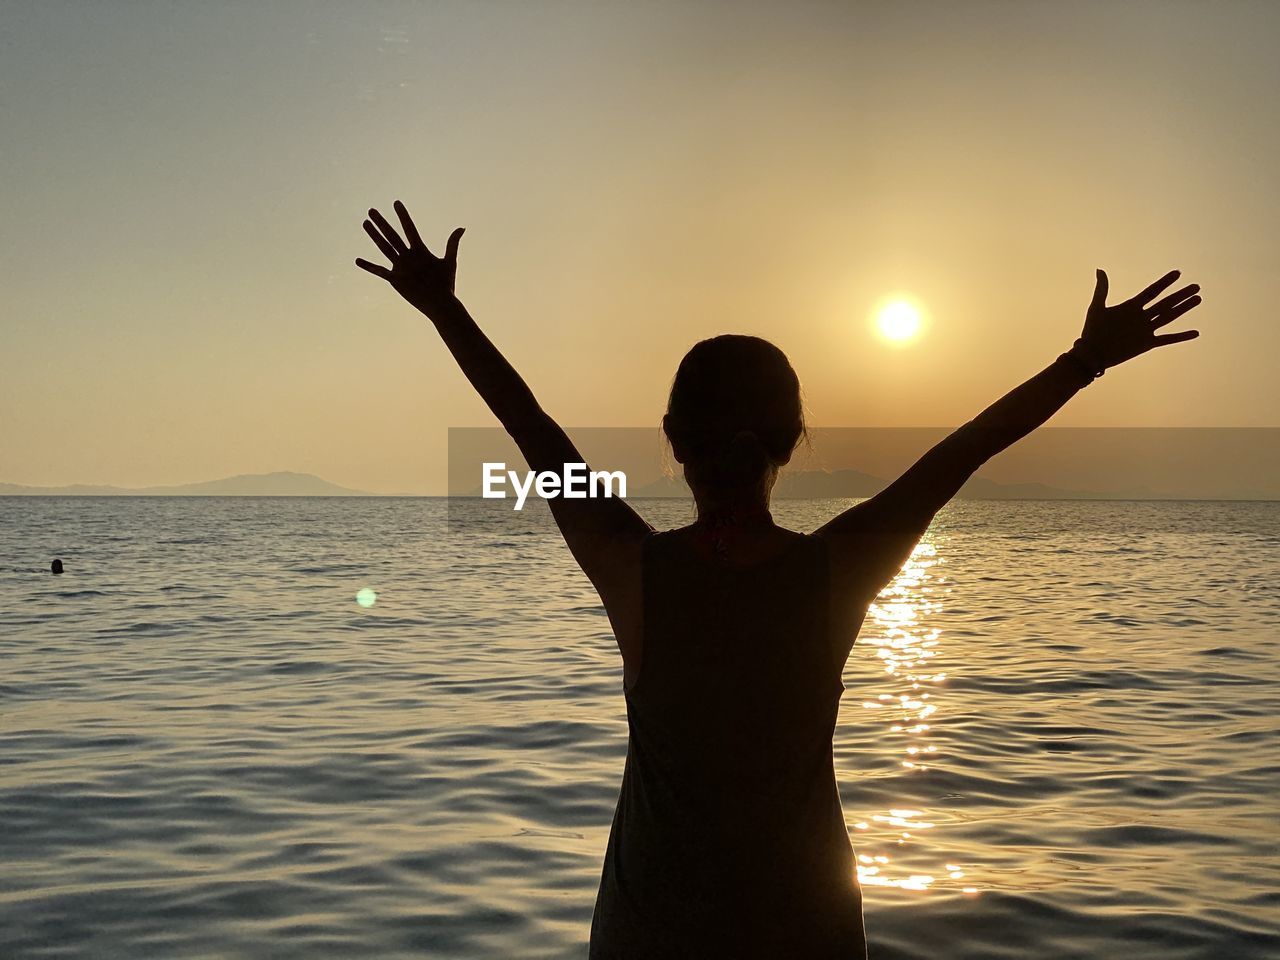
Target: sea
[382,727]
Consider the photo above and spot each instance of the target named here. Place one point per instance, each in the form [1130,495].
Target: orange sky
[184,190]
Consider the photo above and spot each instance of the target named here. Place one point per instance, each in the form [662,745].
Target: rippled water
[1058,737]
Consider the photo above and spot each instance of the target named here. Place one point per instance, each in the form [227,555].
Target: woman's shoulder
[693,544]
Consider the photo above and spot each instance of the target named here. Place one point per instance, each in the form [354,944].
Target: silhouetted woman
[728,839]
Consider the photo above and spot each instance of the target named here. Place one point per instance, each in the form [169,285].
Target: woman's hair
[735,413]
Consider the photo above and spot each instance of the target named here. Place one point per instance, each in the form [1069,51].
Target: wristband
[1080,367]
[1082,356]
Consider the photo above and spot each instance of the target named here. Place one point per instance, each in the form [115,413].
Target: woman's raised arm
[603,533]
[870,542]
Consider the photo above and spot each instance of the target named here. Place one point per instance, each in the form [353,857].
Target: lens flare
[366,597]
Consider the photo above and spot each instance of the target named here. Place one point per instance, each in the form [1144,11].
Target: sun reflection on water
[897,626]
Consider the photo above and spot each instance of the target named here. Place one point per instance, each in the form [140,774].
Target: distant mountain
[280,484]
[979,488]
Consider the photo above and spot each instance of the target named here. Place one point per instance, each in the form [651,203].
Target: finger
[1166,338]
[451,247]
[381,241]
[388,231]
[1100,290]
[1172,300]
[1174,313]
[376,269]
[406,221]
[1155,288]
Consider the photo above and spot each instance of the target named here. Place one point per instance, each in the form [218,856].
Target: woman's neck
[740,512]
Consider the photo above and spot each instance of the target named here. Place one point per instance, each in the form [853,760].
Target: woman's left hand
[417,274]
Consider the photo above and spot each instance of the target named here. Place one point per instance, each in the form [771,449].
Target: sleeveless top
[728,839]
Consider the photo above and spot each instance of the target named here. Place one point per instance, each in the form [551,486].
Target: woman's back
[728,839]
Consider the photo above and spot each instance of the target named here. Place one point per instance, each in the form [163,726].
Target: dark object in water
[56,566]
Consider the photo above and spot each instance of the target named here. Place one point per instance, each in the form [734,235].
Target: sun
[899,320]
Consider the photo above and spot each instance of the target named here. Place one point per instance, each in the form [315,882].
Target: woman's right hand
[417,274]
[1121,332]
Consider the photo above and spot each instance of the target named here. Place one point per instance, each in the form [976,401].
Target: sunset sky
[184,183]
